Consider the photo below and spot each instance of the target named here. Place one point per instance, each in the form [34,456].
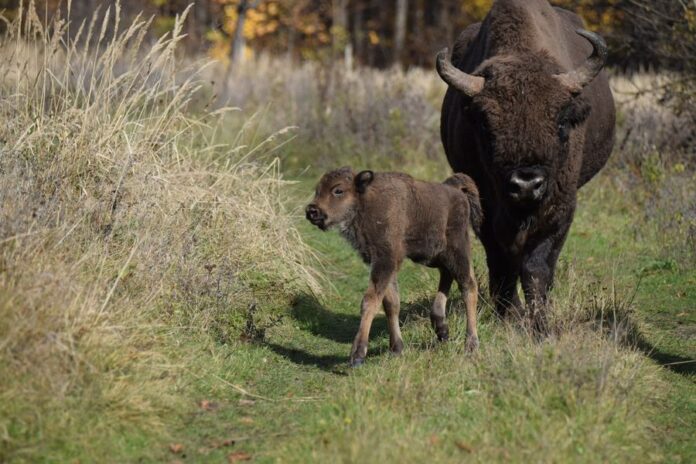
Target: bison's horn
[578,78]
[465,83]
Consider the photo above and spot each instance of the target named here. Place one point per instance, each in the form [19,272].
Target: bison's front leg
[471,293]
[503,272]
[538,269]
[381,276]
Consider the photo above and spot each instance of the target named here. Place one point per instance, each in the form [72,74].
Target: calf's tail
[467,185]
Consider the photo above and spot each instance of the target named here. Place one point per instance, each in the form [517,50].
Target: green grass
[289,396]
[576,397]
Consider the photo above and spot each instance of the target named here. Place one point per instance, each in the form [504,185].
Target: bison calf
[388,217]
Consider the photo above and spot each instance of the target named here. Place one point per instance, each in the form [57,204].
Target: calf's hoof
[443,334]
[356,362]
[472,344]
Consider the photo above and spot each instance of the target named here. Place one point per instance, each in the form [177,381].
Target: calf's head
[336,197]
[524,111]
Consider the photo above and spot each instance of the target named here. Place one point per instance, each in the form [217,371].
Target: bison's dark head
[524,115]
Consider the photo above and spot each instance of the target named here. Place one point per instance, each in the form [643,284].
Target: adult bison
[530,117]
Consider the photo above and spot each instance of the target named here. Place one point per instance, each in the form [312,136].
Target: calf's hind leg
[437,313]
[391,305]
[464,274]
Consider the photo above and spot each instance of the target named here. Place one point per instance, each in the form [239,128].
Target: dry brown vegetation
[121,219]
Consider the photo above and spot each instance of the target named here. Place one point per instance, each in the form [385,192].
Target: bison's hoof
[357,362]
[472,344]
[396,348]
[443,335]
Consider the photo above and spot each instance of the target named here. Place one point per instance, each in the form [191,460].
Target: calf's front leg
[392,305]
[382,273]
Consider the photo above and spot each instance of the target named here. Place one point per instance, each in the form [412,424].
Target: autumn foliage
[366,30]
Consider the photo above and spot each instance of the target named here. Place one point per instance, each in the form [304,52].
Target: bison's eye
[482,125]
[563,132]
[338,192]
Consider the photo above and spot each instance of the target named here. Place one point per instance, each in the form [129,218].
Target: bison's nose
[527,184]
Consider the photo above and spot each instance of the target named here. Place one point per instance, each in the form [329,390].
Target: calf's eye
[338,192]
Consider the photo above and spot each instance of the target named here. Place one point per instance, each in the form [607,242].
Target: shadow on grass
[675,363]
[621,325]
[326,362]
[340,328]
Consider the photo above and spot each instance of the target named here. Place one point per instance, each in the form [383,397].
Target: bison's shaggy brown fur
[390,216]
[530,117]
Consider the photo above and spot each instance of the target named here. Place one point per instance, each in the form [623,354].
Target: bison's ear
[362,180]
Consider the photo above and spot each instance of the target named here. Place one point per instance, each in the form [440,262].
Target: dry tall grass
[655,162]
[116,202]
[374,117]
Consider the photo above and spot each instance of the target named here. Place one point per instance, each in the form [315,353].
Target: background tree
[400,29]
[238,41]
[377,33]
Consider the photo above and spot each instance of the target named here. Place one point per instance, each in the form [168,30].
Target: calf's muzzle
[315,215]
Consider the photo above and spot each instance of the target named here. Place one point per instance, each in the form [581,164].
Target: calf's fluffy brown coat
[391,216]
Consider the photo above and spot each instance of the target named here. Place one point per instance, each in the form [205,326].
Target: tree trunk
[202,22]
[419,32]
[340,13]
[445,24]
[238,42]
[339,28]
[358,32]
[400,29]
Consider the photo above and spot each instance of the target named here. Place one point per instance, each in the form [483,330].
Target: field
[163,299]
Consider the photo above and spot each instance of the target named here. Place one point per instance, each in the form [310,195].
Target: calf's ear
[362,180]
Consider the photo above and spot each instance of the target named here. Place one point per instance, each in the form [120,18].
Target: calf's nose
[312,212]
[527,184]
